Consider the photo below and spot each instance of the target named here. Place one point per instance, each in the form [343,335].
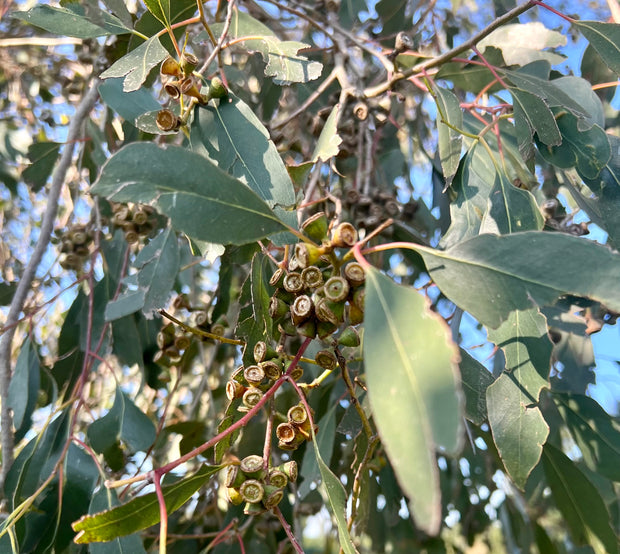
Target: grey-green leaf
[417,403]
[200,199]
[476,379]
[450,139]
[519,429]
[136,65]
[579,502]
[160,9]
[73,21]
[129,105]
[605,39]
[24,389]
[490,276]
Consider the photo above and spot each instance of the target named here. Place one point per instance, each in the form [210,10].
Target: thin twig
[19,299]
[289,532]
[220,42]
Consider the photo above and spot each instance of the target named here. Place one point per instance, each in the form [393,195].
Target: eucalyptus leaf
[605,39]
[137,64]
[201,200]
[329,140]
[421,387]
[490,276]
[140,512]
[475,380]
[160,9]
[24,388]
[450,138]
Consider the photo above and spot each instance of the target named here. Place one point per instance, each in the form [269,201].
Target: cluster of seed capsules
[75,245]
[318,292]
[136,220]
[261,488]
[172,343]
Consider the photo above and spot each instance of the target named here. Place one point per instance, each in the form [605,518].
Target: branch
[25,283]
[447,56]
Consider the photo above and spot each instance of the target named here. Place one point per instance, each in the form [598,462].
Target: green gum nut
[349,337]
[254,509]
[289,469]
[316,227]
[272,369]
[262,351]
[252,490]
[253,466]
[325,329]
[234,477]
[278,478]
[336,289]
[188,63]
[234,497]
[272,497]
[307,329]
[217,88]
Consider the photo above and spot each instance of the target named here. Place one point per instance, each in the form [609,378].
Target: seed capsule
[336,289]
[272,369]
[252,490]
[312,277]
[354,273]
[278,478]
[252,465]
[252,396]
[170,67]
[301,309]
[293,282]
[254,375]
[326,359]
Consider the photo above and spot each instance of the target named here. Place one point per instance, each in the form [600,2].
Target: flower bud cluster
[261,488]
[136,220]
[172,344]
[75,245]
[318,293]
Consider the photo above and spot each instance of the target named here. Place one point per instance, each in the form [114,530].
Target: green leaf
[519,429]
[580,90]
[490,276]
[605,38]
[137,64]
[421,388]
[393,14]
[106,499]
[157,265]
[43,156]
[141,512]
[450,140]
[511,209]
[7,290]
[123,422]
[522,43]
[337,498]
[73,21]
[126,342]
[160,9]
[328,144]
[593,431]
[284,63]
[24,389]
[200,199]
[527,349]
[579,502]
[475,380]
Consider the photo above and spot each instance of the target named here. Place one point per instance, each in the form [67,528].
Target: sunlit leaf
[137,64]
[489,276]
[605,38]
[160,9]
[327,146]
[140,512]
[74,20]
[579,502]
[414,389]
[201,200]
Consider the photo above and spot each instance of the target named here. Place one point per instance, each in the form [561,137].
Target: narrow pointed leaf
[200,199]
[605,39]
[527,349]
[519,429]
[476,379]
[490,276]
[579,502]
[136,65]
[73,21]
[24,389]
[414,390]
[450,140]
[329,140]
[593,431]
[141,512]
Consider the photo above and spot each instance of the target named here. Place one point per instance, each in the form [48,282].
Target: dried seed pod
[324,329]
[278,277]
[164,340]
[190,87]
[252,396]
[252,490]
[238,376]
[70,261]
[312,277]
[297,414]
[297,373]
[402,42]
[344,235]
[301,309]
[262,351]
[254,375]
[336,289]
[234,476]
[326,359]
[293,282]
[364,201]
[132,236]
[167,120]
[324,313]
[253,465]
[272,497]
[278,478]
[351,196]
[201,319]
[286,433]
[173,354]
[316,227]
[78,235]
[272,369]
[289,469]
[170,67]
[140,216]
[360,111]
[392,208]
[277,308]
[234,390]
[376,210]
[354,273]
[173,89]
[182,342]
[180,302]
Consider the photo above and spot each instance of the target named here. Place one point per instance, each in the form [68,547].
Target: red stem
[553,10]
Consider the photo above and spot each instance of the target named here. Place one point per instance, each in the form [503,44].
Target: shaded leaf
[489,276]
[475,380]
[593,431]
[450,140]
[522,43]
[605,39]
[422,390]
[137,64]
[160,9]
[157,265]
[527,349]
[201,200]
[511,209]
[7,290]
[126,342]
[123,422]
[140,512]
[581,91]
[24,389]
[73,21]
[393,15]
[284,63]
[473,77]
[579,502]
[43,156]
[519,429]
